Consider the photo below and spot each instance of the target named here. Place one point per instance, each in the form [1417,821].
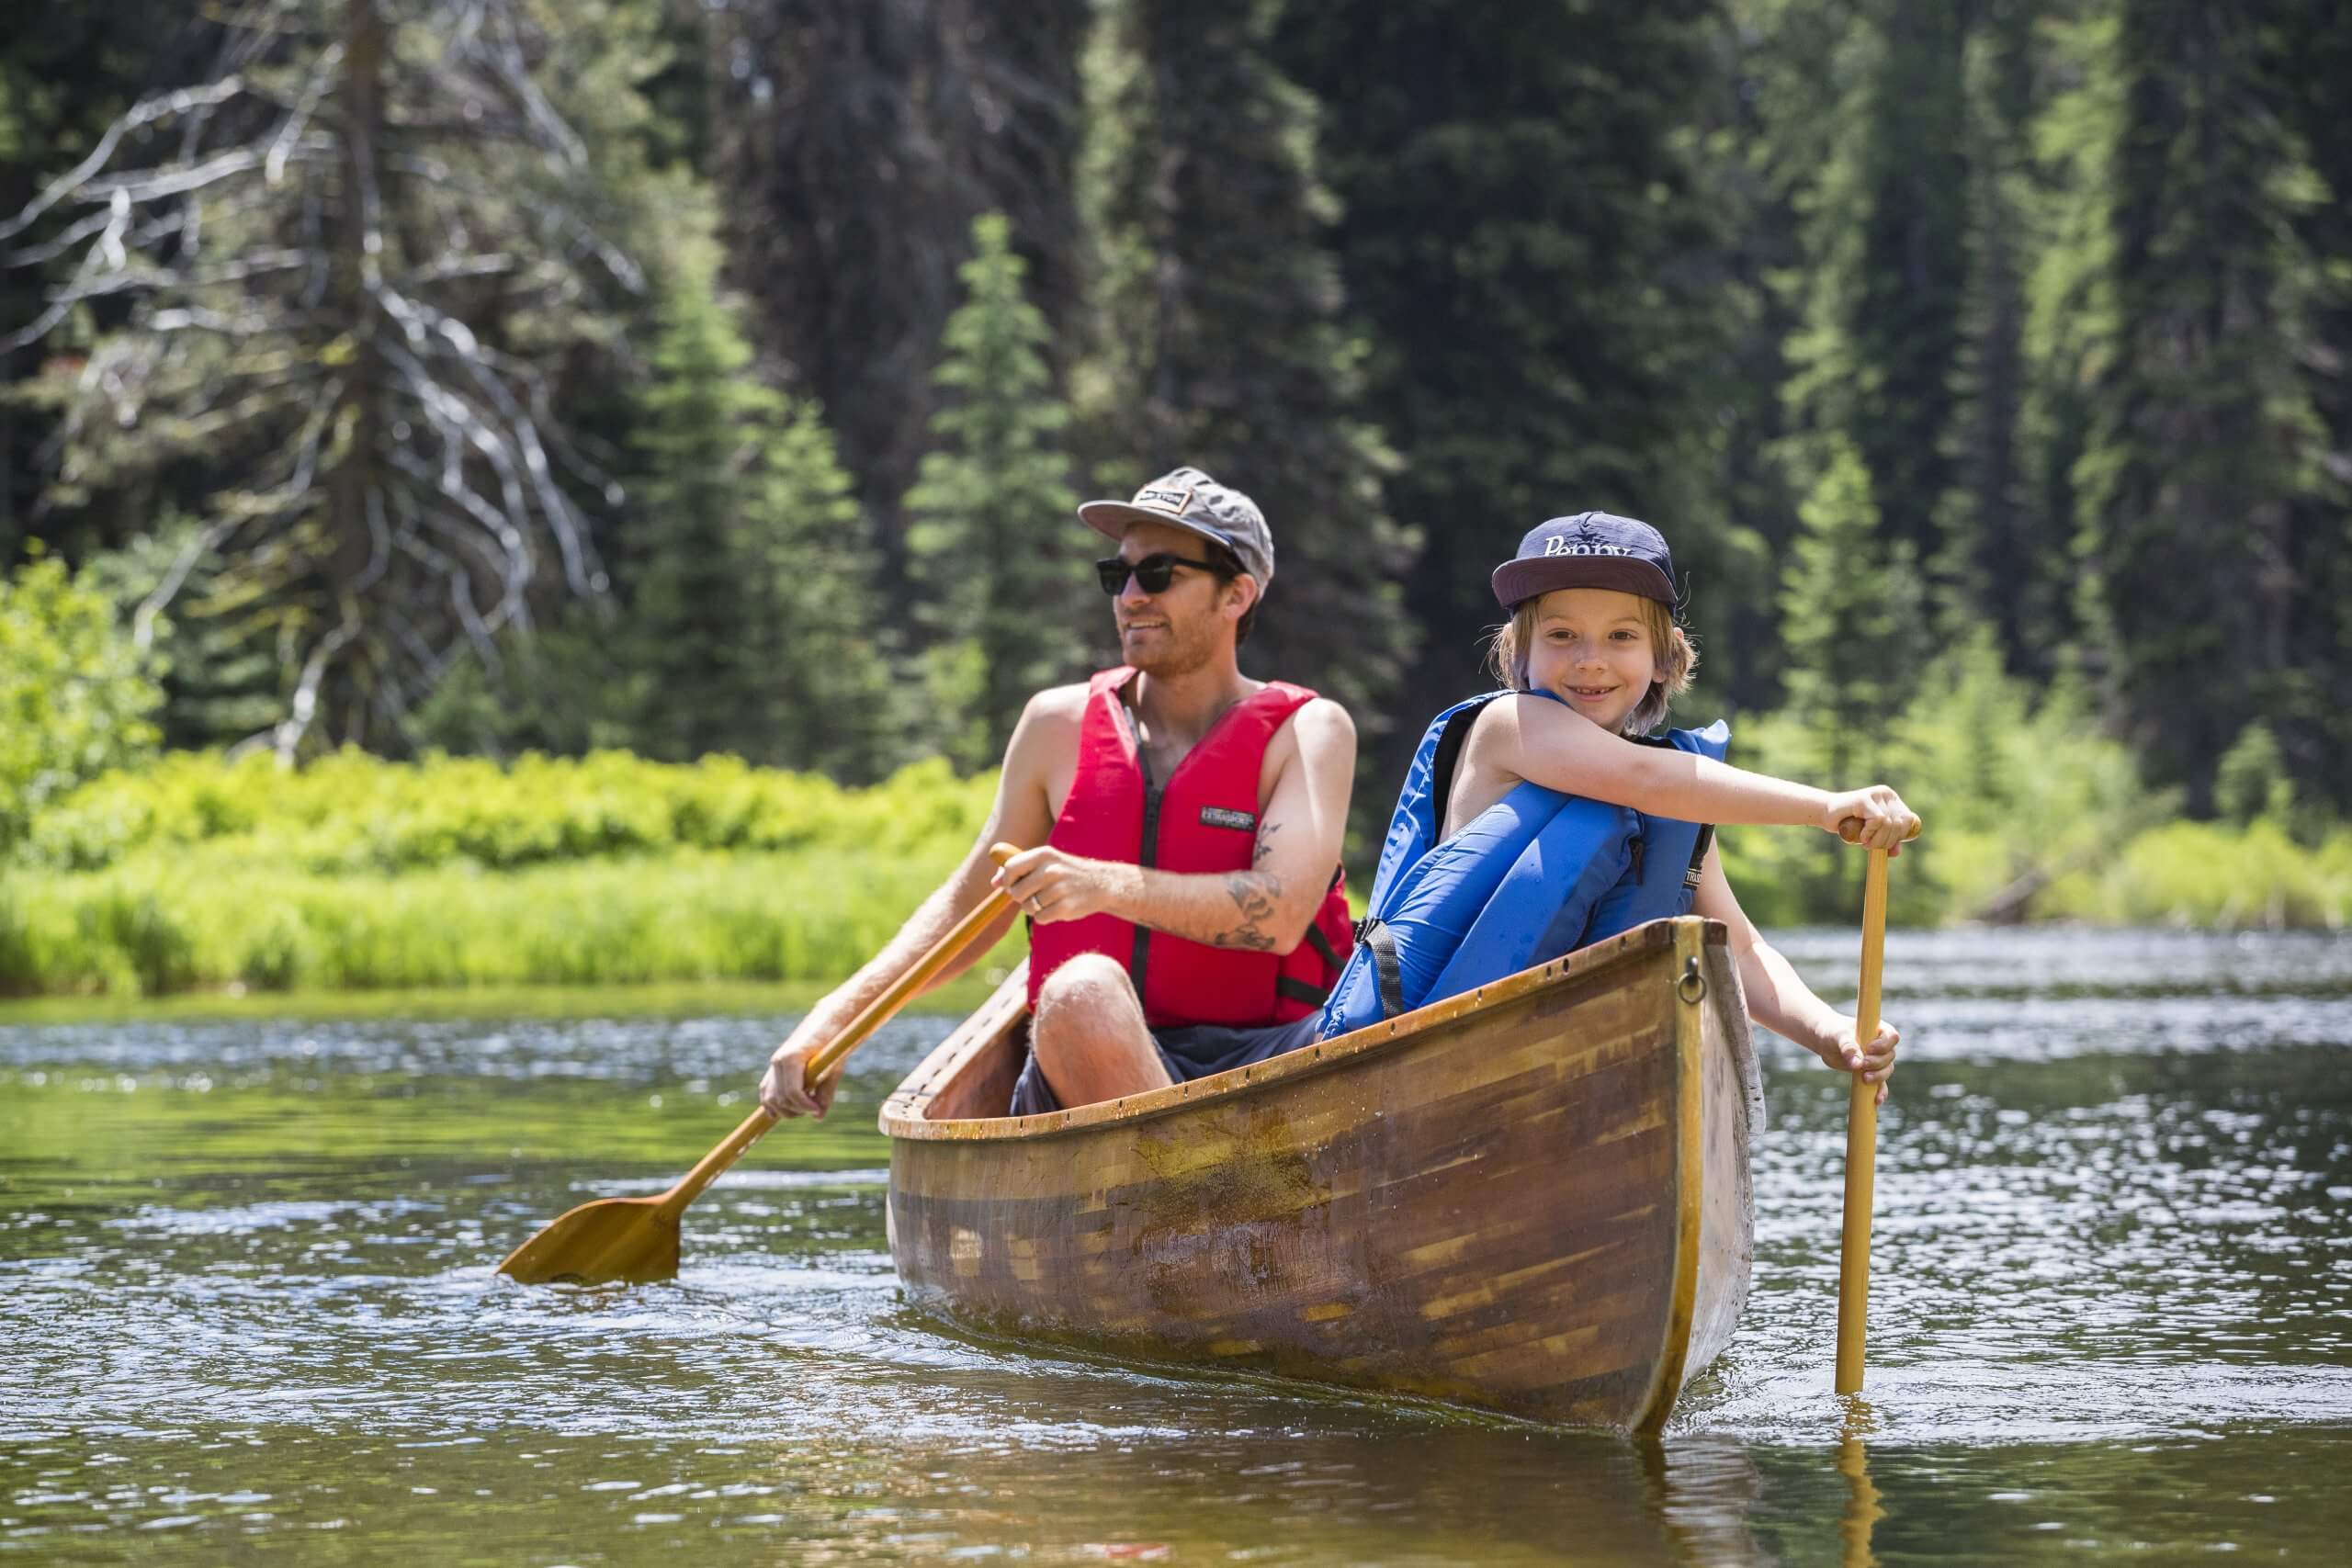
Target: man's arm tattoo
[1254,894]
[1266,843]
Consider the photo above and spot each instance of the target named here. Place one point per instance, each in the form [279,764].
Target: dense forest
[718,376]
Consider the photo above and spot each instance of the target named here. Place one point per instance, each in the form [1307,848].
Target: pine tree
[1879,177]
[410,252]
[218,687]
[2004,562]
[1529,261]
[821,648]
[1850,608]
[690,614]
[857,140]
[2189,487]
[2309,60]
[991,537]
[751,615]
[66,74]
[1217,338]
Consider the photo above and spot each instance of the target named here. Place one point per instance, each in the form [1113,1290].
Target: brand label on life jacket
[1225,816]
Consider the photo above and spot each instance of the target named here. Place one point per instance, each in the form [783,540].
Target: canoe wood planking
[1532,1199]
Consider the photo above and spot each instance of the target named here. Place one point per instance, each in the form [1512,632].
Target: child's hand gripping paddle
[636,1239]
[1861,1136]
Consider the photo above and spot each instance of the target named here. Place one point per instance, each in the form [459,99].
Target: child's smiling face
[1593,647]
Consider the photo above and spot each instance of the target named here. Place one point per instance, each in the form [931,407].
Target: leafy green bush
[351,812]
[2032,813]
[76,696]
[161,923]
[353,872]
[2211,873]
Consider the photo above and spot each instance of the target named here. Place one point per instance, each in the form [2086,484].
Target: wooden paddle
[1862,1140]
[636,1239]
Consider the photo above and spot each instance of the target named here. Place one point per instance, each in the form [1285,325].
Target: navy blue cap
[1591,549]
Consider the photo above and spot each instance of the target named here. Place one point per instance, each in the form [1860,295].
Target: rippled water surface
[248,1311]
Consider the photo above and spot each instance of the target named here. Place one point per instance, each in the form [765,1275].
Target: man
[1179,826]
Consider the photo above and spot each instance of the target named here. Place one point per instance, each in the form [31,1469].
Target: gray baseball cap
[1190,500]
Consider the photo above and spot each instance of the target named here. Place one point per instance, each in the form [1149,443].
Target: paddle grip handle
[1861,1143]
[944,951]
[1850,829]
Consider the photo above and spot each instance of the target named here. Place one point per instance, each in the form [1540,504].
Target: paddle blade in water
[616,1239]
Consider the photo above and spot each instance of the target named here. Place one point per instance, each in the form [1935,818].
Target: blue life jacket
[1537,875]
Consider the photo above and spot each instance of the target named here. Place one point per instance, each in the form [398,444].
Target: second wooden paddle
[1861,1141]
[636,1239]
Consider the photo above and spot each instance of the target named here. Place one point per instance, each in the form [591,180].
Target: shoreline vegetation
[641,434]
[658,999]
[195,877]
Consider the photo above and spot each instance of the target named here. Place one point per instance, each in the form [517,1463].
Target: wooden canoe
[1532,1199]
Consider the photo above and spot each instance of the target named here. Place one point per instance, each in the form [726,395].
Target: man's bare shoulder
[1048,729]
[1320,738]
[1057,705]
[1324,723]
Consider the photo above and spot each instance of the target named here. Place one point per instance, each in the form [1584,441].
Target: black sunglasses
[1154,573]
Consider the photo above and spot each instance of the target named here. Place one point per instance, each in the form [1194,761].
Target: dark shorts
[1190,1051]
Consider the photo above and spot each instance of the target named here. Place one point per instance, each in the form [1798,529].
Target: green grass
[159,925]
[351,812]
[668,999]
[196,875]
[449,881]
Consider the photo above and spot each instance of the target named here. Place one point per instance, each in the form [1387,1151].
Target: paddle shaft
[944,951]
[873,1016]
[1861,1141]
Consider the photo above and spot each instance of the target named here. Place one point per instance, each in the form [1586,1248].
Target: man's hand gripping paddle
[636,1239]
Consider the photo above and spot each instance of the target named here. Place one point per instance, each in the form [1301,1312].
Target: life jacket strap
[1298,990]
[1698,856]
[1385,963]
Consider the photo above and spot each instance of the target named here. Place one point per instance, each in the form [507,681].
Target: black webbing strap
[1378,938]
[1706,830]
[1448,756]
[1698,856]
[1323,948]
[1298,990]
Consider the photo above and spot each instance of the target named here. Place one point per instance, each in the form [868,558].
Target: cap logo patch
[1172,500]
[1560,545]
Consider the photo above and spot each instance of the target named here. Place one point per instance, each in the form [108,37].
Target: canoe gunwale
[902,1115]
[1689,1154]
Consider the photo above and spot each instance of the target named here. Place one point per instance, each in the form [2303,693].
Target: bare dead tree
[349,267]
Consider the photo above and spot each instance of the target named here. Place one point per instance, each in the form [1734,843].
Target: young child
[1543,817]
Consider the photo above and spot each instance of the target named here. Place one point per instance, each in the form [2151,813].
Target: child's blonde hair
[1670,645]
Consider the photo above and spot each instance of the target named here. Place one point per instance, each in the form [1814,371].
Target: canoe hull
[1533,1200]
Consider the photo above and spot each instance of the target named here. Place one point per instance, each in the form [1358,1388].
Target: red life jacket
[1203,818]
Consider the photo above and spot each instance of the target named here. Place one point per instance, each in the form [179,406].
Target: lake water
[248,1310]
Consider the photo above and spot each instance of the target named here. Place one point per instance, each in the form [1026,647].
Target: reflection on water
[247,1311]
[1863,1509]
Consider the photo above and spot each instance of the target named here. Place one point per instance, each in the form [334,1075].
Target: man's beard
[1180,650]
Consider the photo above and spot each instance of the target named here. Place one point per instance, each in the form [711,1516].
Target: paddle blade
[611,1240]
